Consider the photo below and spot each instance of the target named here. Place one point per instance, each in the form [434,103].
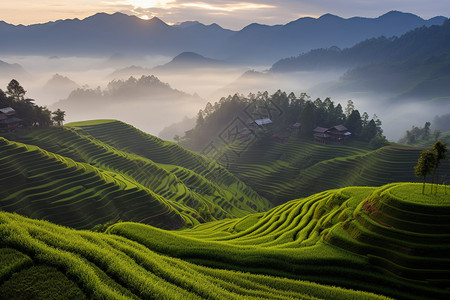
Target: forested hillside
[416,45]
[232,119]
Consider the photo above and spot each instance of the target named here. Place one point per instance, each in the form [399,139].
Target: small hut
[261,123]
[8,121]
[338,133]
[321,135]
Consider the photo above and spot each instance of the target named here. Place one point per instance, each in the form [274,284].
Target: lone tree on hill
[58,116]
[425,166]
[440,152]
[15,90]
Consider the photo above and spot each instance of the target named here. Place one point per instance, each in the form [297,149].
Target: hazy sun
[144,17]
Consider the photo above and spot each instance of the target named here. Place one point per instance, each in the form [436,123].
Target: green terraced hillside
[389,240]
[44,185]
[285,171]
[40,260]
[183,188]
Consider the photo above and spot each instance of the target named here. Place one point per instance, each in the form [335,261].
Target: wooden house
[338,134]
[8,121]
[321,135]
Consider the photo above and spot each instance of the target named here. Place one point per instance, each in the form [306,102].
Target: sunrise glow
[151,3]
[227,7]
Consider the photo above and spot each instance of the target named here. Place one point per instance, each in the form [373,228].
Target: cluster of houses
[8,119]
[335,134]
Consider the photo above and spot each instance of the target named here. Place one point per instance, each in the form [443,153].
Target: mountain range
[104,34]
[412,66]
[417,44]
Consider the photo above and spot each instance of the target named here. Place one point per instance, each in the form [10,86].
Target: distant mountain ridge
[186,61]
[416,44]
[190,60]
[413,66]
[12,70]
[102,33]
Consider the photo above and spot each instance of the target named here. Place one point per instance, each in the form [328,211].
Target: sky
[227,13]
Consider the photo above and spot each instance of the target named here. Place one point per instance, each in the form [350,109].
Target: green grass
[378,240]
[44,185]
[40,282]
[12,261]
[333,237]
[389,240]
[73,171]
[105,266]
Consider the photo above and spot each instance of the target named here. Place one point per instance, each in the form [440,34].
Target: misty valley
[149,160]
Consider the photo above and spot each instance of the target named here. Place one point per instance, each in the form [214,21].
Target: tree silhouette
[425,165]
[307,119]
[15,90]
[354,123]
[58,116]
[440,152]
[349,108]
[369,131]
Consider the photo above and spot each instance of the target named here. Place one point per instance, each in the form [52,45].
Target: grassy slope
[44,185]
[104,266]
[188,193]
[376,239]
[284,171]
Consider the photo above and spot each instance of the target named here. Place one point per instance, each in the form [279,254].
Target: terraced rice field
[40,259]
[376,239]
[43,185]
[347,243]
[284,171]
[104,183]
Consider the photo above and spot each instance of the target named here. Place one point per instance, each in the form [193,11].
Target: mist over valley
[144,159]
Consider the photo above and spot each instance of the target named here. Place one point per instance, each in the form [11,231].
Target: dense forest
[284,111]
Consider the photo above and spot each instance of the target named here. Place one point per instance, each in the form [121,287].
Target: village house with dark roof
[8,121]
[337,134]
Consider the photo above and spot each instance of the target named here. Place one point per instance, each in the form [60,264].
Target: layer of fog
[210,84]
